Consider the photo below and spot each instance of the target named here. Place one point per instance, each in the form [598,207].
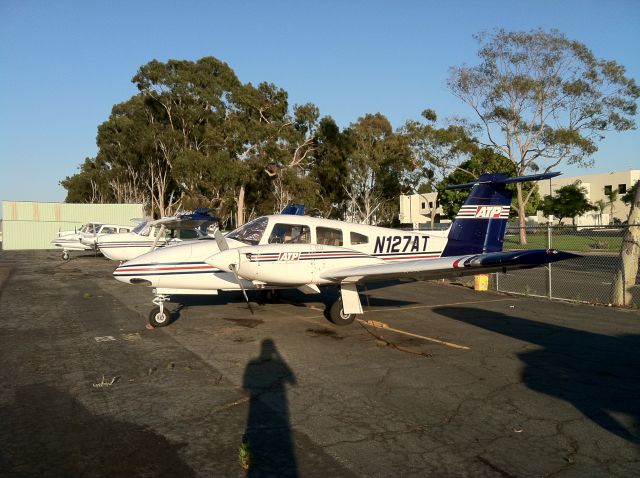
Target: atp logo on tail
[483,212]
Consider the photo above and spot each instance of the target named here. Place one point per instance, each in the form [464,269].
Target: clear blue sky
[64,64]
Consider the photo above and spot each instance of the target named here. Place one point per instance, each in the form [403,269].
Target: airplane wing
[445,267]
[184,221]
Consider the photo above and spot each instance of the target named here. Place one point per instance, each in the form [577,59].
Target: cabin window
[608,189]
[108,230]
[251,232]
[622,188]
[123,229]
[358,239]
[329,236]
[290,234]
[424,204]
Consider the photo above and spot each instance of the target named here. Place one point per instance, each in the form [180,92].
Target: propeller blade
[220,240]
[244,292]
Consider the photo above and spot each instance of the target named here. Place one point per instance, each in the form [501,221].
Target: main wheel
[337,315]
[65,256]
[159,319]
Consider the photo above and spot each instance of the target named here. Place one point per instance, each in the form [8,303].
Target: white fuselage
[85,238]
[320,245]
[128,246]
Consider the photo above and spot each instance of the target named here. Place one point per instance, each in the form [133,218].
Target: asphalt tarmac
[435,380]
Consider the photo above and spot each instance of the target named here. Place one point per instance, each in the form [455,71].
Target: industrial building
[32,225]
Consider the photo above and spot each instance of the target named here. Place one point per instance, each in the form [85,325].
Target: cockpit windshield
[251,232]
[141,229]
[90,228]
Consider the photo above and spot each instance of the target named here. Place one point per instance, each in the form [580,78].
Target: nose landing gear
[160,316]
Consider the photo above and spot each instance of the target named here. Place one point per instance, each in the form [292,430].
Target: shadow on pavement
[46,432]
[268,433]
[597,374]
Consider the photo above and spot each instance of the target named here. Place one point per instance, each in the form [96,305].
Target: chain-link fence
[589,278]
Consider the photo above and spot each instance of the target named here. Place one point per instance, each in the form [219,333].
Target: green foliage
[568,201]
[244,456]
[378,160]
[630,195]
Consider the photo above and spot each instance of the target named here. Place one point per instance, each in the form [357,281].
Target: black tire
[65,256]
[337,315]
[159,320]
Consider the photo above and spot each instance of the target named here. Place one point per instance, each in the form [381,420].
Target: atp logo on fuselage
[289,256]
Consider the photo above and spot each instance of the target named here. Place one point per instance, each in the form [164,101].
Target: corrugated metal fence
[589,278]
[32,225]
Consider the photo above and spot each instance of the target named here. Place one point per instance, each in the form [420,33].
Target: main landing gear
[65,255]
[337,315]
[160,316]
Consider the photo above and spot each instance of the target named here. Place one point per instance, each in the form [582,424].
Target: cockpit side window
[251,232]
[290,234]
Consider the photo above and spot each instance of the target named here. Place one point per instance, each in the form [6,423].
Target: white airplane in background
[84,239]
[152,234]
[283,251]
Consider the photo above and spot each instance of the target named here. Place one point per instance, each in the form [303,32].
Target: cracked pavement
[545,388]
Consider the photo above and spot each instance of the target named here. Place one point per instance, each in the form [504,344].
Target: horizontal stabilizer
[447,267]
[506,180]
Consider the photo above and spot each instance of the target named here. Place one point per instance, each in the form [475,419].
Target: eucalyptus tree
[329,169]
[543,99]
[625,278]
[89,185]
[377,163]
[436,152]
[187,104]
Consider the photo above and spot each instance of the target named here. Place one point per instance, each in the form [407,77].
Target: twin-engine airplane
[152,234]
[85,238]
[284,251]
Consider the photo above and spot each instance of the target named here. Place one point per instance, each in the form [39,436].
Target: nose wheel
[160,316]
[65,255]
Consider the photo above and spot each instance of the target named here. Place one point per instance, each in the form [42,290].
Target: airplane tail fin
[481,222]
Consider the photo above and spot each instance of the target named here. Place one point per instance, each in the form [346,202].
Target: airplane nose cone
[225,260]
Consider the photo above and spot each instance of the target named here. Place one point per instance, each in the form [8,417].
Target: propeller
[220,240]
[239,281]
[223,246]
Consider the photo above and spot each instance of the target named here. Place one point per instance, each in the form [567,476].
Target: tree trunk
[521,214]
[625,277]
[432,212]
[240,215]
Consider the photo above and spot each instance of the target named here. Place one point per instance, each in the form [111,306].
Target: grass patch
[566,242]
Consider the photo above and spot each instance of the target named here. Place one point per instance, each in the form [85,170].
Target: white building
[597,186]
[416,209]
